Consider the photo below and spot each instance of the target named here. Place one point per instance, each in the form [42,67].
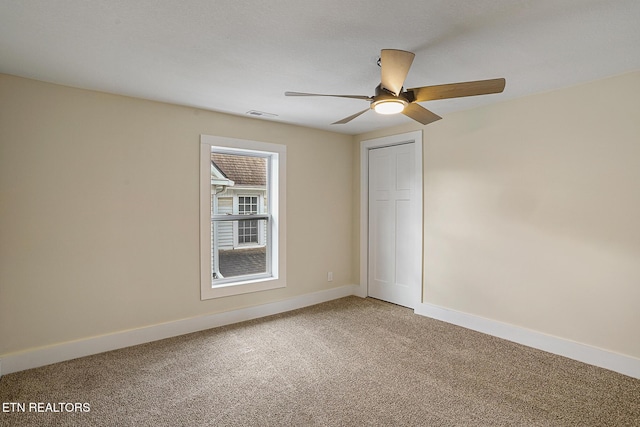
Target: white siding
[225,228]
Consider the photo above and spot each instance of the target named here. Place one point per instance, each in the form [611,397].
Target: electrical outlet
[330,276]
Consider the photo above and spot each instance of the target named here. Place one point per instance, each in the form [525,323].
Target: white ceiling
[234,56]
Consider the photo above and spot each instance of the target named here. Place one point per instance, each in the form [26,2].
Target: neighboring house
[238,187]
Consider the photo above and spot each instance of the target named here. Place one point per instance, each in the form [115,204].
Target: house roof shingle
[243,170]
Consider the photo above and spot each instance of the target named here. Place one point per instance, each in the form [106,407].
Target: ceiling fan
[391,98]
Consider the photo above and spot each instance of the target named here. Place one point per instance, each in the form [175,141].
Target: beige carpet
[348,362]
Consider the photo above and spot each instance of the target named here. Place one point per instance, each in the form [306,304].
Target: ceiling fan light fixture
[389,106]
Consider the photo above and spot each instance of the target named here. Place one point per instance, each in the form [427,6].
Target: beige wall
[99,212]
[532,212]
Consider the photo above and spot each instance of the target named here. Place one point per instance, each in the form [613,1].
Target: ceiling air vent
[256,113]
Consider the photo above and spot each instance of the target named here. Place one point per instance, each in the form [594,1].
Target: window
[248,229]
[240,179]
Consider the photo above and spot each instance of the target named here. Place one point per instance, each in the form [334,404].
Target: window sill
[242,287]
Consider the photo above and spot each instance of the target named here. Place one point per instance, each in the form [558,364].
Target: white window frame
[276,275]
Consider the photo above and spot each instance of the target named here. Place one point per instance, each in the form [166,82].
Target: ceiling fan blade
[420,114]
[368,98]
[458,90]
[348,119]
[394,67]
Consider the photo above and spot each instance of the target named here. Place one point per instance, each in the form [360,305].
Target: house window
[247,205]
[241,179]
[247,229]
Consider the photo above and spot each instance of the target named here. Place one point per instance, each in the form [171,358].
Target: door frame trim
[365,146]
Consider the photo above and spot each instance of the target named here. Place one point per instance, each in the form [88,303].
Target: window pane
[229,261]
[247,205]
[238,248]
[248,231]
[236,173]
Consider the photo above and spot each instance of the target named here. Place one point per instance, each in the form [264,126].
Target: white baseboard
[71,350]
[34,358]
[626,365]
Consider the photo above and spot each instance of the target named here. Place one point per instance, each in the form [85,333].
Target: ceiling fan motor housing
[383,96]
